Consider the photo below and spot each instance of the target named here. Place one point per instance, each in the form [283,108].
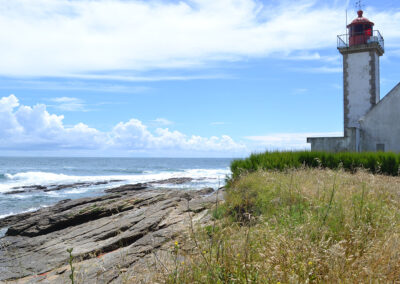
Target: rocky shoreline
[111,235]
[57,187]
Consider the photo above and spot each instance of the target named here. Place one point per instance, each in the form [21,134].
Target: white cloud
[387,23]
[287,141]
[80,39]
[33,128]
[149,78]
[161,121]
[30,129]
[304,55]
[72,85]
[321,69]
[69,104]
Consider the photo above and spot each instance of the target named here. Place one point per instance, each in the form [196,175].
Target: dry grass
[298,226]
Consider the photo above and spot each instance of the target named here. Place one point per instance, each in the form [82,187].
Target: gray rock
[128,187]
[205,191]
[109,234]
[173,181]
[141,186]
[56,187]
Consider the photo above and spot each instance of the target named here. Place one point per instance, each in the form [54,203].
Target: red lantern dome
[360,30]
[360,20]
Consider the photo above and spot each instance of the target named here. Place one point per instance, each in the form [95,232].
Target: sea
[86,177]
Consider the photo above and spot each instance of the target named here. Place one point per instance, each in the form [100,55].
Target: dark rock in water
[31,187]
[15,192]
[128,187]
[26,188]
[110,235]
[181,180]
[56,187]
[141,186]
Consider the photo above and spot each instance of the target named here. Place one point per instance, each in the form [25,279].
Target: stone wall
[349,142]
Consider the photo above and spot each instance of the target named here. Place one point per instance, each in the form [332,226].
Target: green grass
[298,226]
[375,162]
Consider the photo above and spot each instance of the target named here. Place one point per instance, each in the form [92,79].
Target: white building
[370,124]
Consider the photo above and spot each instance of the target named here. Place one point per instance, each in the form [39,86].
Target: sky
[190,78]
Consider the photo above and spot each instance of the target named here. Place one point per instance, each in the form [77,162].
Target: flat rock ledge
[112,236]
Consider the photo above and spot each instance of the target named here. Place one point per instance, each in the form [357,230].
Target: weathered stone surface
[140,186]
[173,181]
[128,187]
[56,187]
[110,235]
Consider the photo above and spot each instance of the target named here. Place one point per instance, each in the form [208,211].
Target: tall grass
[299,226]
[375,162]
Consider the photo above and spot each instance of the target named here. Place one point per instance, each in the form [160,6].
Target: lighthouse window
[359,29]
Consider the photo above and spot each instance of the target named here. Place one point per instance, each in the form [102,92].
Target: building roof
[360,20]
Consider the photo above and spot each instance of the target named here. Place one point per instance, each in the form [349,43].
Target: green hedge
[376,162]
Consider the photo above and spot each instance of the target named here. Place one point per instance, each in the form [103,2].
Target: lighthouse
[361,48]
[370,123]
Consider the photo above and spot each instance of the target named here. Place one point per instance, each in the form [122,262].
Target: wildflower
[183,263]
[204,252]
[310,263]
[176,243]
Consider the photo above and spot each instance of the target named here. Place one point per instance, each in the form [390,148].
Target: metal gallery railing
[367,37]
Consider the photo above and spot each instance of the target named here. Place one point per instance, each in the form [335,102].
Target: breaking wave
[200,176]
[24,211]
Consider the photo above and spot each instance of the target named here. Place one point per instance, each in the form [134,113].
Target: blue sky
[176,78]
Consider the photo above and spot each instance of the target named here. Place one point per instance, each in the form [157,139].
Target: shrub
[375,162]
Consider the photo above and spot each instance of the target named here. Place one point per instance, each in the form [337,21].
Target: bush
[379,162]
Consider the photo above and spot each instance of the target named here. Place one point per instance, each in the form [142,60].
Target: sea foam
[207,176]
[23,211]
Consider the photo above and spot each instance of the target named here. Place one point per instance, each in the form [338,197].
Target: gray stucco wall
[382,124]
[336,144]
[360,84]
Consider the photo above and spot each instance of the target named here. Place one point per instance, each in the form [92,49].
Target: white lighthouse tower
[364,112]
[361,49]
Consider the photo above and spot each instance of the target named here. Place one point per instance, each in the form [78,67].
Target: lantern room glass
[360,34]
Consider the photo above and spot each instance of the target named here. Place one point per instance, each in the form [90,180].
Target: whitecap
[210,176]
[3,232]
[32,209]
[77,190]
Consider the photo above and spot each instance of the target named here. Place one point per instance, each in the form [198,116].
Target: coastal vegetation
[282,222]
[375,162]
[275,224]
